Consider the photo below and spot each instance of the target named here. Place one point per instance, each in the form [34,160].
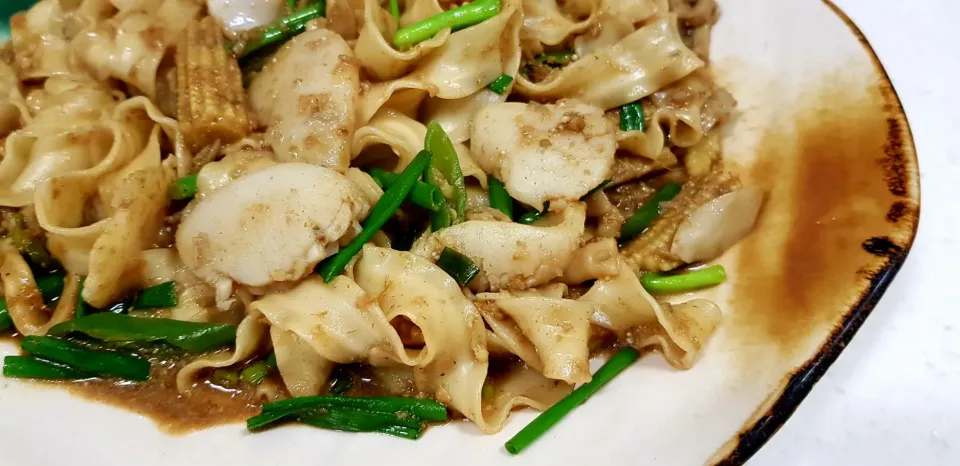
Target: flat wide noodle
[646,60]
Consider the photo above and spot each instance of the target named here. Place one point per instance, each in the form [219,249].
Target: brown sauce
[826,195]
[158,399]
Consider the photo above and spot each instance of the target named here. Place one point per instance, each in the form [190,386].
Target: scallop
[513,256]
[271,225]
[544,152]
[307,97]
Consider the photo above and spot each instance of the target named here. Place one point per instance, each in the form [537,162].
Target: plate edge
[798,385]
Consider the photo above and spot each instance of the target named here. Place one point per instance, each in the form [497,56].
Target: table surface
[893,396]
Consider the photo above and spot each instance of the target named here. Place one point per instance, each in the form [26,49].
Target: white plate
[821,129]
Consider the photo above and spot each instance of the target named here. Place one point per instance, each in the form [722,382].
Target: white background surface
[893,396]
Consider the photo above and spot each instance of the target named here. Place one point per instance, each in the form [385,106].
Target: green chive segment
[499,197]
[424,195]
[382,211]
[445,172]
[458,266]
[286,27]
[183,189]
[107,363]
[501,84]
[631,117]
[310,406]
[556,58]
[532,216]
[683,282]
[599,187]
[353,420]
[455,19]
[395,9]
[547,419]
[191,336]
[649,212]
[27,367]
[156,297]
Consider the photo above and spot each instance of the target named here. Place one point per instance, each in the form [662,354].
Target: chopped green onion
[499,198]
[50,286]
[183,188]
[456,19]
[532,216]
[689,281]
[107,363]
[276,411]
[341,385]
[155,297]
[599,187]
[395,9]
[353,420]
[501,84]
[556,58]
[487,393]
[458,266]
[255,373]
[227,378]
[555,413]
[382,211]
[82,308]
[445,171]
[26,367]
[121,307]
[631,117]
[424,195]
[286,27]
[38,254]
[191,336]
[642,218]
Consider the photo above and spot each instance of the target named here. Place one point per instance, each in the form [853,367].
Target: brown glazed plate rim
[798,385]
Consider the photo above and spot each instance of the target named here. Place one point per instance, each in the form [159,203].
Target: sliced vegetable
[501,84]
[444,172]
[107,363]
[191,336]
[155,297]
[341,385]
[427,410]
[458,266]
[600,187]
[255,373]
[395,9]
[689,281]
[424,195]
[631,117]
[50,286]
[286,27]
[82,308]
[532,216]
[381,212]
[227,378]
[556,58]
[456,19]
[352,420]
[183,188]
[649,212]
[38,254]
[499,198]
[26,367]
[555,413]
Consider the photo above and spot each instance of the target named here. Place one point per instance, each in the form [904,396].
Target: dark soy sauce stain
[828,192]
